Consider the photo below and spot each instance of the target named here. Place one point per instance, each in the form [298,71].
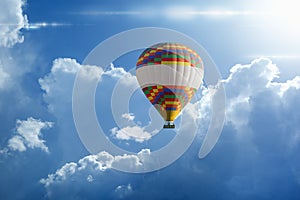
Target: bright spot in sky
[285,14]
[282,14]
[179,12]
[188,13]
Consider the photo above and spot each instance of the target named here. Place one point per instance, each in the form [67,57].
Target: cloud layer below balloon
[260,140]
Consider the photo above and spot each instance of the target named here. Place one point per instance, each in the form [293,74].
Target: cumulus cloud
[282,88]
[16,143]
[95,163]
[126,78]
[128,116]
[12,20]
[244,82]
[242,85]
[201,110]
[115,72]
[135,133]
[261,138]
[29,135]
[265,115]
[58,84]
[61,174]
[57,87]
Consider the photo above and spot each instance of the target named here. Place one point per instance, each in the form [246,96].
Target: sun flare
[286,14]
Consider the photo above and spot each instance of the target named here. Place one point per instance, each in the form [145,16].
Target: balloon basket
[169,125]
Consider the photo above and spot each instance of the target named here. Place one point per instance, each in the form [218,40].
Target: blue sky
[43,44]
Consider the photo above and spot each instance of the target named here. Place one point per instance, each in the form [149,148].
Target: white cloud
[99,162]
[281,88]
[135,133]
[61,70]
[28,135]
[16,143]
[89,178]
[257,102]
[96,163]
[58,84]
[11,74]
[115,72]
[263,71]
[126,78]
[61,174]
[12,21]
[243,82]
[128,116]
[201,109]
[249,80]
[123,190]
[127,161]
[66,65]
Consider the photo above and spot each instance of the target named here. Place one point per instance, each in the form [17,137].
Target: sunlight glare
[286,14]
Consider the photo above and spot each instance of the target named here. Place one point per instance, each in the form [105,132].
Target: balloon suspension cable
[169,124]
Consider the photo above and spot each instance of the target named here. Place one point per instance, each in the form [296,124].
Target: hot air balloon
[169,75]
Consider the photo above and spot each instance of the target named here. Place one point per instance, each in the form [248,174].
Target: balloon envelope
[169,75]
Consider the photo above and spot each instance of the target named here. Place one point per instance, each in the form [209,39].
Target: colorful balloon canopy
[169,75]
